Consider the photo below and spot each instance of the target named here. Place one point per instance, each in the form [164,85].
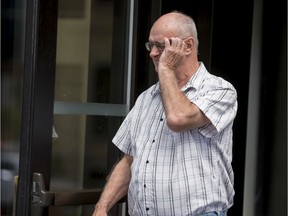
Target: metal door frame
[38,95]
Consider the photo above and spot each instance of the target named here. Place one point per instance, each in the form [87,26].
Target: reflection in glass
[78,146]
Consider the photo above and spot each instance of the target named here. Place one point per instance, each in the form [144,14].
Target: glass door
[92,94]
[76,91]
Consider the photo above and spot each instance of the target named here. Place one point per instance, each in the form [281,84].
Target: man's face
[155,52]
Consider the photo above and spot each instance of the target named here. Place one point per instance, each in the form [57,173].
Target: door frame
[38,97]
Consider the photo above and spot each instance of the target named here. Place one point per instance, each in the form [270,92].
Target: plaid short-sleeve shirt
[185,173]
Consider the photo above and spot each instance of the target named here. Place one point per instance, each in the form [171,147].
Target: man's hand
[173,53]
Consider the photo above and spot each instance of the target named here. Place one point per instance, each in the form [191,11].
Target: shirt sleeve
[219,104]
[122,138]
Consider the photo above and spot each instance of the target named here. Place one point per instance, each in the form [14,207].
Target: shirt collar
[156,89]
[196,79]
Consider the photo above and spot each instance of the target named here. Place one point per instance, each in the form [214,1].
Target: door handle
[41,198]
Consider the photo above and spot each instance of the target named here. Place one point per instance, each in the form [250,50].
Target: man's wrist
[101,207]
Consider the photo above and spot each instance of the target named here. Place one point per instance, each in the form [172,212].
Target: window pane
[90,95]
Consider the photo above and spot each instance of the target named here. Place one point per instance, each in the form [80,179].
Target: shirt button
[144,185]
[147,161]
[161,119]
[153,141]
[147,209]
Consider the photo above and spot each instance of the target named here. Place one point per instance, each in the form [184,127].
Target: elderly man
[177,139]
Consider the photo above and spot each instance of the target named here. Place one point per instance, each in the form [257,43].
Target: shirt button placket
[145,185]
[146,207]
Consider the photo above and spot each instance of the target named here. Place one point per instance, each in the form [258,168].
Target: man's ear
[190,45]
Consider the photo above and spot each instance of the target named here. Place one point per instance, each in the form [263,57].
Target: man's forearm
[117,185]
[180,112]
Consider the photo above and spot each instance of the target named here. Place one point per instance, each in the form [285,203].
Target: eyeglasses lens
[159,46]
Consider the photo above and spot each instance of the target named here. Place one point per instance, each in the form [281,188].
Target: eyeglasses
[159,46]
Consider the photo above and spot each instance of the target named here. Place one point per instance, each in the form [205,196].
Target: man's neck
[183,75]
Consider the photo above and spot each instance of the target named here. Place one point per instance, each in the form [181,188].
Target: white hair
[186,26]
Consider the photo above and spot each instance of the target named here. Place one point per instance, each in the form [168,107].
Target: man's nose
[154,52]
